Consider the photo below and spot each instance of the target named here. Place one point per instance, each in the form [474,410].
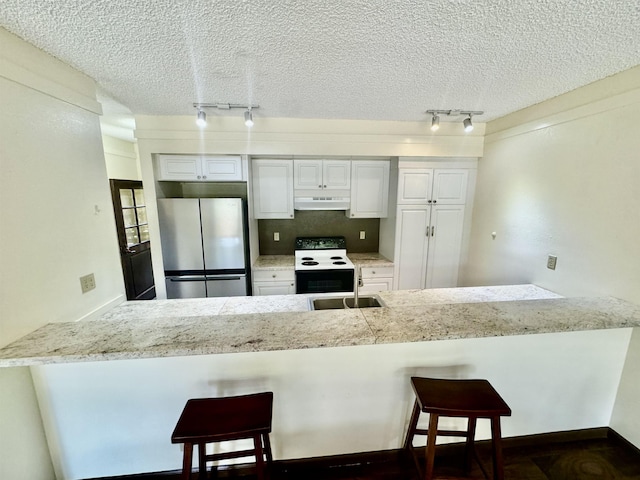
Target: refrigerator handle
[223,277]
[188,278]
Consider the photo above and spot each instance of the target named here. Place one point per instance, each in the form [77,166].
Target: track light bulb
[201,121]
[468,126]
[435,123]
[248,118]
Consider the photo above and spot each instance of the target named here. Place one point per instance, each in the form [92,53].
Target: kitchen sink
[334,303]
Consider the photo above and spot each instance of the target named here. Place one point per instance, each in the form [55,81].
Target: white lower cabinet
[429,241]
[376,279]
[274,282]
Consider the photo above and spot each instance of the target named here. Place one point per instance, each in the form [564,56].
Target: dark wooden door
[133,236]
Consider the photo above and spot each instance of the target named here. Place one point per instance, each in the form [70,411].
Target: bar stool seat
[209,420]
[472,399]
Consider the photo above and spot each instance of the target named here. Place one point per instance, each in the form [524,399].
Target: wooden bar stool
[472,399]
[208,420]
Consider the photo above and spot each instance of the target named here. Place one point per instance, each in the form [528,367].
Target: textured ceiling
[347,59]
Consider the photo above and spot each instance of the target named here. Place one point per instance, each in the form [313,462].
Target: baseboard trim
[385,456]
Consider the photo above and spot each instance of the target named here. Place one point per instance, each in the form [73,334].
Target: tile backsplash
[321,223]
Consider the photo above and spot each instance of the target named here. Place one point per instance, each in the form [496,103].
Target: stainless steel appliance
[204,246]
[321,265]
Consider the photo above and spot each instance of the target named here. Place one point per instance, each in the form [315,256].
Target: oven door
[321,281]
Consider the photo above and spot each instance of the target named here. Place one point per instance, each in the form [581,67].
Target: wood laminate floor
[604,457]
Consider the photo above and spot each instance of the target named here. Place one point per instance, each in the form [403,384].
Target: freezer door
[226,285]
[223,233]
[180,233]
[186,286]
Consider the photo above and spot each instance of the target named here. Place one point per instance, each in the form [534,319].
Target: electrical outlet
[276,236]
[363,235]
[551,262]
[88,282]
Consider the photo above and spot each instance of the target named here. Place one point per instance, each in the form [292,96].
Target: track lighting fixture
[201,118]
[201,121]
[468,126]
[435,117]
[435,122]
[248,118]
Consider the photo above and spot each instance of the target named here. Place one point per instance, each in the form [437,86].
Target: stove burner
[340,263]
[307,258]
[336,258]
[308,263]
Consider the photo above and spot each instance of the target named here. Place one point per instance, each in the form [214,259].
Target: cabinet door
[179,168]
[274,288]
[369,189]
[220,169]
[414,186]
[445,242]
[381,284]
[336,174]
[450,186]
[412,246]
[307,174]
[272,189]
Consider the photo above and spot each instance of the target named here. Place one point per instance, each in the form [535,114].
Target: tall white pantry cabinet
[429,226]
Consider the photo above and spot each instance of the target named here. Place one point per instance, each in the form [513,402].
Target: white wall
[327,401]
[563,178]
[121,158]
[57,224]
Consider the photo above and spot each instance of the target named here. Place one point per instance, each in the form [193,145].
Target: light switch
[551,262]
[363,235]
[276,236]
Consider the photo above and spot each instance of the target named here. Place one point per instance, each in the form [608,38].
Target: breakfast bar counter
[169,328]
[110,390]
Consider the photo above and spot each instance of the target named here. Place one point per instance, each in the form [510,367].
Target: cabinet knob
[274,275]
[199,177]
[373,272]
[204,177]
[435,201]
[319,186]
[324,186]
[428,201]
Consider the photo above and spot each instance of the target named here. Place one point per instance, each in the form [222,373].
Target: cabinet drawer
[273,275]
[373,272]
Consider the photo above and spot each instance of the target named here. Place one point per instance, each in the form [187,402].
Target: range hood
[322,203]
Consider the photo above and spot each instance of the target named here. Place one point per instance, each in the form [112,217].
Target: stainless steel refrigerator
[204,246]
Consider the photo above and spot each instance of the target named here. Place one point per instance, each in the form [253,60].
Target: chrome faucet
[356,283]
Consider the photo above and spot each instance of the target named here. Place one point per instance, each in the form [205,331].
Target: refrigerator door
[226,285]
[186,286]
[223,233]
[180,233]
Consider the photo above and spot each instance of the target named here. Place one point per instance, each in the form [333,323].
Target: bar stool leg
[471,434]
[267,447]
[202,464]
[257,444]
[431,445]
[496,435]
[186,461]
[413,423]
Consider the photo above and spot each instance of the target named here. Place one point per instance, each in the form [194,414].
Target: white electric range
[322,266]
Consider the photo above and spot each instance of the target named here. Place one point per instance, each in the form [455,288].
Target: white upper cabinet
[369,189]
[200,168]
[272,188]
[450,186]
[417,186]
[320,174]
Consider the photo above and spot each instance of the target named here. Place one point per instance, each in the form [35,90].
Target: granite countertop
[287,262]
[165,328]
